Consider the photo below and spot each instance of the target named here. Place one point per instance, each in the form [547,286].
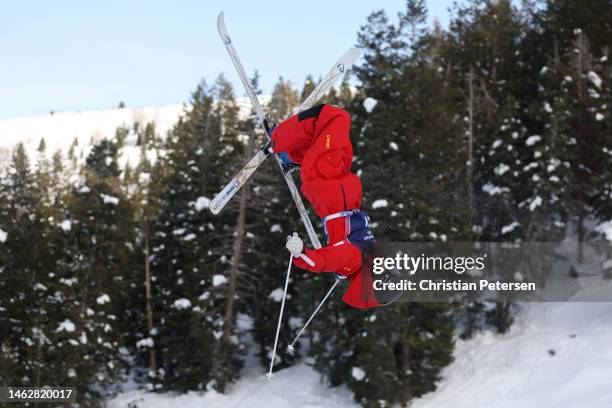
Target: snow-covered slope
[294,387]
[556,355]
[60,129]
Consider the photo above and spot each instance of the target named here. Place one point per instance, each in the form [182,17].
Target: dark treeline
[496,128]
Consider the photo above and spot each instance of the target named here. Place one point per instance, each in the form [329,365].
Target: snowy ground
[512,370]
[294,387]
[518,370]
[61,128]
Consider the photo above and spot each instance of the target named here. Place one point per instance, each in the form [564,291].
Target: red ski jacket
[318,140]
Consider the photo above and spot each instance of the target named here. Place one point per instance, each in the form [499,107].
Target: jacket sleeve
[346,260]
[343,259]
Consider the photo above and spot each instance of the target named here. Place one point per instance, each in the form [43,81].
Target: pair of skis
[224,196]
[342,65]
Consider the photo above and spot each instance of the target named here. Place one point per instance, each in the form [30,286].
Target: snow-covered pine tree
[227,159]
[143,186]
[42,173]
[24,274]
[581,35]
[403,134]
[177,256]
[190,246]
[95,260]
[486,45]
[602,200]
[547,151]
[8,358]
[40,312]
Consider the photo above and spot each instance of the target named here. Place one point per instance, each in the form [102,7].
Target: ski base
[221,199]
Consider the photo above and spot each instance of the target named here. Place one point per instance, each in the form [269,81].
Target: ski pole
[290,346]
[280,318]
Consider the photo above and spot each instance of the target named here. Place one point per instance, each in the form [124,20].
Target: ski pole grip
[307,260]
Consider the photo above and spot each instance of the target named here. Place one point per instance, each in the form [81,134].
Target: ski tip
[220,20]
[215,208]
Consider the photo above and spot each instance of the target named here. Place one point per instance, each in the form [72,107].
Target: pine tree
[21,272]
[548,152]
[8,358]
[309,86]
[191,256]
[95,259]
[39,314]
[603,113]
[143,186]
[581,38]
[178,257]
[284,100]
[233,147]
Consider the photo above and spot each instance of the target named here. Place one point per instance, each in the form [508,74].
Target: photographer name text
[453,285]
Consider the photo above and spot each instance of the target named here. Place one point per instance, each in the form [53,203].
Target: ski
[238,181]
[341,66]
[229,46]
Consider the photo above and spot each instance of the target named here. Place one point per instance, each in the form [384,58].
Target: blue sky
[77,55]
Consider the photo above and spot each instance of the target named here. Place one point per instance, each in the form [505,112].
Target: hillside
[556,355]
[60,129]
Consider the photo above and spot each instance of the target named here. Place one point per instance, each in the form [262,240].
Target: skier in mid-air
[317,140]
